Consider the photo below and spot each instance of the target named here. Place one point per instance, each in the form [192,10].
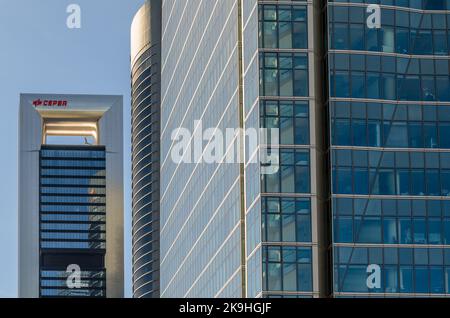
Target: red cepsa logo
[50,103]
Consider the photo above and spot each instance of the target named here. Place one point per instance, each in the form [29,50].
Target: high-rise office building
[359,203]
[229,230]
[146,79]
[70,196]
[389,102]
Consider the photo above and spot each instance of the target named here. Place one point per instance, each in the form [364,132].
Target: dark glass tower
[145,75]
[389,102]
[72,220]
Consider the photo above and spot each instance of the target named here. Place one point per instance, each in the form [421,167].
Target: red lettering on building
[49,103]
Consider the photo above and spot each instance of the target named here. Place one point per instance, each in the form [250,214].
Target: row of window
[73,199]
[74,226]
[74,208]
[403,270]
[67,182]
[389,86]
[73,163]
[84,293]
[389,64]
[72,154]
[90,284]
[372,133]
[52,274]
[287,268]
[415,4]
[390,17]
[66,217]
[391,207]
[283,27]
[291,118]
[82,236]
[395,279]
[283,74]
[391,230]
[92,191]
[74,172]
[73,245]
[391,159]
[392,256]
[293,175]
[390,39]
[420,182]
[391,112]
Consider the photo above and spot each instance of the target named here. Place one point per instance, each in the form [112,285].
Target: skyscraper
[358,204]
[229,230]
[389,102]
[146,78]
[70,196]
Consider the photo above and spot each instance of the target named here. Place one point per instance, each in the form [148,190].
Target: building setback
[70,196]
[146,78]
[359,205]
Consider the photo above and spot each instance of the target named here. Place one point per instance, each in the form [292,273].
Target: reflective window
[286,220]
[287,269]
[291,118]
[283,26]
[284,74]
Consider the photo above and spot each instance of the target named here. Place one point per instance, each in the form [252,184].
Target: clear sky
[39,54]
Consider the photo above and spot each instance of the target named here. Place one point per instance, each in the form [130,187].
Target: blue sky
[39,54]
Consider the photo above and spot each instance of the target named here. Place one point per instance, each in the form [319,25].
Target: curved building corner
[145,99]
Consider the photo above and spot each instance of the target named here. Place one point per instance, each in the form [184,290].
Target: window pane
[390,231]
[304,277]
[273,228]
[289,228]
[274,277]
[289,277]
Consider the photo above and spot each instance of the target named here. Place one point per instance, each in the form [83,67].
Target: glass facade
[72,220]
[358,205]
[239,64]
[284,103]
[389,111]
[200,202]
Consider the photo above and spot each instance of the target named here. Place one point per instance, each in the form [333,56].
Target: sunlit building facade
[359,204]
[229,229]
[201,215]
